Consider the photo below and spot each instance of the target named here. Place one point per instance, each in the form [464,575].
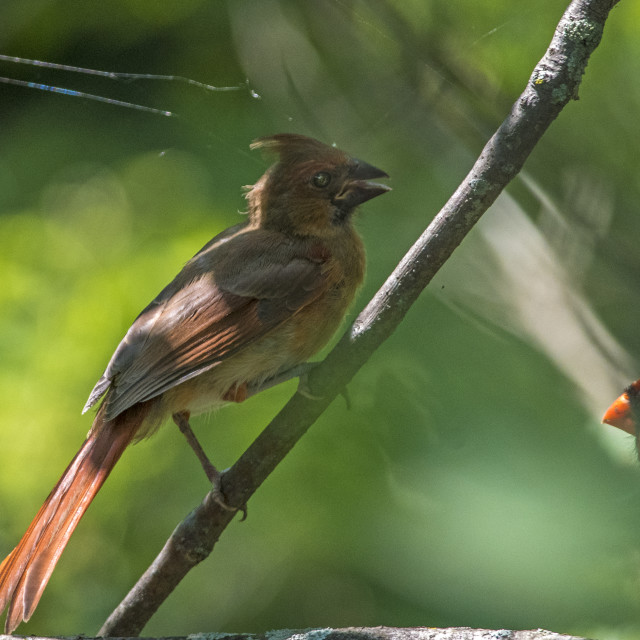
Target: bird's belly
[283,348]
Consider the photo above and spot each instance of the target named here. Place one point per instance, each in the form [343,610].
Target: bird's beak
[622,413]
[357,188]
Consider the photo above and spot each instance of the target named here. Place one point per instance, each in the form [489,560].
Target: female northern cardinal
[624,413]
[257,300]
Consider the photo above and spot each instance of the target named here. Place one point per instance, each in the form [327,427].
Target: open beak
[623,413]
[358,189]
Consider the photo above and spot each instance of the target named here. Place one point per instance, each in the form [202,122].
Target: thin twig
[553,83]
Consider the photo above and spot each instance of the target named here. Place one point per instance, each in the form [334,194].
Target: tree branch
[369,633]
[553,83]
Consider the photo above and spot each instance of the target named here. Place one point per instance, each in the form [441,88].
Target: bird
[624,412]
[253,304]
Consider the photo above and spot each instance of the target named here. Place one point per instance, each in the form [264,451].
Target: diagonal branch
[553,83]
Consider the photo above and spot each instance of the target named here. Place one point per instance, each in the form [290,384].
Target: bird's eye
[321,179]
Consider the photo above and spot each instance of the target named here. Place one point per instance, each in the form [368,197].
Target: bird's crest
[292,148]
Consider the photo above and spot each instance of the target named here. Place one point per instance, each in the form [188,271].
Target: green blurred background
[471,482]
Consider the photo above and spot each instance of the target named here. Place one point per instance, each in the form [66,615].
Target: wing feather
[208,313]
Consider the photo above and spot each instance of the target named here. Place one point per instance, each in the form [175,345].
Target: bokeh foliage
[470,483]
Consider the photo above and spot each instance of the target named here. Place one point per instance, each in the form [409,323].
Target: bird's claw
[304,389]
[216,495]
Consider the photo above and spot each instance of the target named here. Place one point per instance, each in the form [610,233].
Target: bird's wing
[213,309]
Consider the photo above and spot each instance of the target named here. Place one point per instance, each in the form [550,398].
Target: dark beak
[365,171]
[357,188]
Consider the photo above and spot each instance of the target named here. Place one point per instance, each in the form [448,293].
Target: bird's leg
[299,371]
[182,420]
[237,393]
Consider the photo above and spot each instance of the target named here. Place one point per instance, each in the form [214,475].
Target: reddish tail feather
[24,573]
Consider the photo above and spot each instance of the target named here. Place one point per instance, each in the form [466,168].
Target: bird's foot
[299,371]
[303,384]
[215,477]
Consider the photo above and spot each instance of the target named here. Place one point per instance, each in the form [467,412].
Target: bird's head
[313,189]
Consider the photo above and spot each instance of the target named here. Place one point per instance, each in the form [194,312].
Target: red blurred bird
[624,413]
[257,300]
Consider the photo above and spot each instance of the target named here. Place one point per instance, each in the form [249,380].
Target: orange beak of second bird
[624,412]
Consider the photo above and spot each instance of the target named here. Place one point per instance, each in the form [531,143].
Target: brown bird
[624,413]
[252,304]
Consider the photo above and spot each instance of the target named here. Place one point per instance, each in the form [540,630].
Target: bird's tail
[24,573]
